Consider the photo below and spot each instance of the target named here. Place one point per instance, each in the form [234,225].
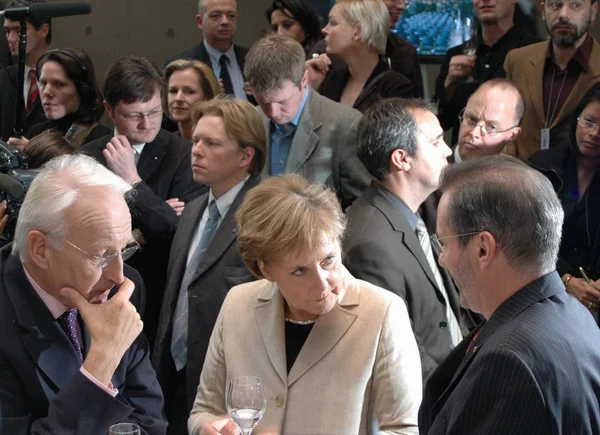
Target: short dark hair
[306,15]
[35,22]
[385,127]
[78,67]
[510,200]
[130,79]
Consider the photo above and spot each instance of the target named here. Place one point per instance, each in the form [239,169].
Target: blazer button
[443,324]
[279,401]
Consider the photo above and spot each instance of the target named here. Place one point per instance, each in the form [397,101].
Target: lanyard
[550,116]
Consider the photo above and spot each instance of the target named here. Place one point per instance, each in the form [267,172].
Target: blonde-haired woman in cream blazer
[336,355]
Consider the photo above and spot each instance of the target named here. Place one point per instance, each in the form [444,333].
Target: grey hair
[374,18]
[507,85]
[53,191]
[389,125]
[272,61]
[512,201]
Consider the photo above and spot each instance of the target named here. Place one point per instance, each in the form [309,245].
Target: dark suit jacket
[323,149]
[389,84]
[382,248]
[221,268]
[41,388]
[8,104]
[166,170]
[534,369]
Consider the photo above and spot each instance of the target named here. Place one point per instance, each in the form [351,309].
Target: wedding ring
[459,67]
[589,305]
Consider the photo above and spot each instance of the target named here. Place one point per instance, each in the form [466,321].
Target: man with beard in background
[553,75]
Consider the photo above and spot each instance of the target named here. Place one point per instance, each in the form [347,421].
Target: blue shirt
[237,78]
[281,140]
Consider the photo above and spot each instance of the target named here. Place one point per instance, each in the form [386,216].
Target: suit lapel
[534,78]
[271,322]
[305,139]
[153,155]
[327,331]
[42,336]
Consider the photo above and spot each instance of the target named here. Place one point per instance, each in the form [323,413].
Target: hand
[248,89]
[120,160]
[176,205]
[586,294]
[317,69]
[460,68]
[112,325]
[3,217]
[222,425]
[221,87]
[18,142]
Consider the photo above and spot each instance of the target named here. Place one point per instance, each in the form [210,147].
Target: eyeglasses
[139,117]
[104,260]
[556,6]
[438,246]
[588,124]
[486,129]
[216,15]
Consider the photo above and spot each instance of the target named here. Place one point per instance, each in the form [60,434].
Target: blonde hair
[206,78]
[242,123]
[283,215]
[372,16]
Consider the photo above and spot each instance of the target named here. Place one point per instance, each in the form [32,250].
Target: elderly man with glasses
[155,162]
[401,144]
[72,359]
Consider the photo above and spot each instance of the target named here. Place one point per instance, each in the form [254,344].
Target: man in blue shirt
[306,133]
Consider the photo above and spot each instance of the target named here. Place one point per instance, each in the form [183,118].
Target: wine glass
[246,402]
[124,429]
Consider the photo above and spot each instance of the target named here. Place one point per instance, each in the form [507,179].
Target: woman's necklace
[301,322]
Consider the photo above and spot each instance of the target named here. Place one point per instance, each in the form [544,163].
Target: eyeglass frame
[436,241]
[588,124]
[139,116]
[483,128]
[562,5]
[105,260]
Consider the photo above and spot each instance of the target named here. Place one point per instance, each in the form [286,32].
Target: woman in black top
[357,33]
[71,98]
[296,19]
[573,170]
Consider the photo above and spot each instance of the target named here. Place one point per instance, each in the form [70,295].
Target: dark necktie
[33,90]
[227,84]
[180,318]
[69,323]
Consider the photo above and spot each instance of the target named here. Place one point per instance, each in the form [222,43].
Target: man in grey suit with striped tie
[228,156]
[533,366]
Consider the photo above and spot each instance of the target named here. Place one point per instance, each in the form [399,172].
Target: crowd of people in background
[292,211]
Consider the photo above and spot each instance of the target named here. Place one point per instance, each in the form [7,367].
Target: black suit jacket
[42,390]
[221,269]
[166,170]
[382,248]
[8,104]
[533,369]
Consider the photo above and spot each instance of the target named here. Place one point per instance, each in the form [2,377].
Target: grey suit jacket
[324,148]
[220,269]
[359,365]
[382,248]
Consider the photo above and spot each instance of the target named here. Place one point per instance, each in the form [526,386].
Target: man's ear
[38,245]
[110,111]
[487,248]
[516,132]
[399,160]
[247,156]
[199,21]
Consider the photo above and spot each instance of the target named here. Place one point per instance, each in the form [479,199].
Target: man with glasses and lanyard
[401,144]
[155,162]
[554,75]
[72,359]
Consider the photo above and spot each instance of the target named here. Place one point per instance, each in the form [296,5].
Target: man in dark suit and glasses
[533,366]
[401,143]
[72,359]
[155,162]
[228,156]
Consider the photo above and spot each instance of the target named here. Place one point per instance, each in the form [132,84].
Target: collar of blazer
[325,335]
[536,53]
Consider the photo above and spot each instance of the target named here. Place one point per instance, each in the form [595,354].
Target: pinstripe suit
[534,368]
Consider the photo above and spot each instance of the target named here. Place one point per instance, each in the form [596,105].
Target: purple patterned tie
[68,321]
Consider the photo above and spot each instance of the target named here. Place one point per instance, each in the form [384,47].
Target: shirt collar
[581,56]
[215,55]
[225,201]
[56,307]
[294,122]
[411,217]
[457,158]
[139,147]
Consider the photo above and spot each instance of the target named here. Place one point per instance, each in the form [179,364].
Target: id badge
[545,138]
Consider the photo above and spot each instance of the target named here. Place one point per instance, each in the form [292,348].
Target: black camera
[15,179]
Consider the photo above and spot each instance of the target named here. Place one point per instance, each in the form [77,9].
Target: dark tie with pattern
[69,323]
[227,83]
[33,90]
